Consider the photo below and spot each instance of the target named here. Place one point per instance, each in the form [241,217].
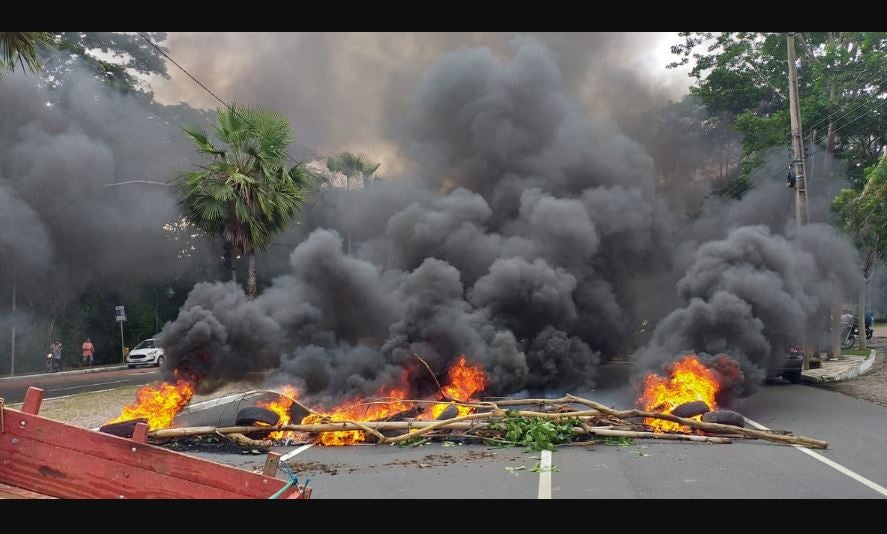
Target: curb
[65,373]
[864,366]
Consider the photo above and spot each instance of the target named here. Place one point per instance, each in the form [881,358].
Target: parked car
[790,367]
[148,352]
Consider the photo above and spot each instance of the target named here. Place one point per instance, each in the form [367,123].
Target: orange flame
[282,407]
[158,404]
[689,380]
[358,410]
[464,381]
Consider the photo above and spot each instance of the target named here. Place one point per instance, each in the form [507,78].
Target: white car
[146,353]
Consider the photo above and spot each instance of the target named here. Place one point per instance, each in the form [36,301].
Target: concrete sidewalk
[844,368]
[65,373]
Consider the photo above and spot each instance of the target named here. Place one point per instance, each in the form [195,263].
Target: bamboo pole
[168,433]
[711,427]
[654,435]
[476,420]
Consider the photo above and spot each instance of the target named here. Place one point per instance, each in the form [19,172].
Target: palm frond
[21,48]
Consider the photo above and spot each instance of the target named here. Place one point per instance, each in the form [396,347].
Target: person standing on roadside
[87,351]
[56,350]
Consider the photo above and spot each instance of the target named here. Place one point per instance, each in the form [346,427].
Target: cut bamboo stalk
[710,427]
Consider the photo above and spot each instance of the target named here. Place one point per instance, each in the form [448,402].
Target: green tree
[22,48]
[842,82]
[119,59]
[862,213]
[352,166]
[247,193]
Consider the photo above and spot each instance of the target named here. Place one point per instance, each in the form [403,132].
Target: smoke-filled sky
[338,89]
[526,232]
[525,228]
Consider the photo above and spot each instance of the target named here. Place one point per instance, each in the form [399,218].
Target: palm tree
[21,48]
[352,166]
[247,193]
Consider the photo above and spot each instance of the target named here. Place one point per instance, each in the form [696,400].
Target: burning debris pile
[682,405]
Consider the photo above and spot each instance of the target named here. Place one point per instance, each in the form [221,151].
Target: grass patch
[855,352]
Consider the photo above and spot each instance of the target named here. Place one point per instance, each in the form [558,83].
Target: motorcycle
[869,331]
[849,331]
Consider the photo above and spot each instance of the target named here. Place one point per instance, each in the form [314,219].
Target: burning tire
[724,417]
[258,417]
[691,409]
[252,415]
[123,429]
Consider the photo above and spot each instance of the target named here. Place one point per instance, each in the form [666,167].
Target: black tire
[793,376]
[848,343]
[252,415]
[123,429]
[724,417]
[691,409]
[159,361]
[131,366]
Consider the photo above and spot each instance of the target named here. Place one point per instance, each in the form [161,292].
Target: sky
[342,91]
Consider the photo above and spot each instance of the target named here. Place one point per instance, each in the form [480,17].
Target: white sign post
[120,317]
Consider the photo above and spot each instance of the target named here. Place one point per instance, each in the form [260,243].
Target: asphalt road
[60,385]
[856,429]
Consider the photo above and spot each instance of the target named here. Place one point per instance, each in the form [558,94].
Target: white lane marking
[19,404]
[301,449]
[834,465]
[87,385]
[545,475]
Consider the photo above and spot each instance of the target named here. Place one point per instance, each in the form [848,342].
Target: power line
[849,104]
[849,112]
[820,150]
[198,82]
[740,186]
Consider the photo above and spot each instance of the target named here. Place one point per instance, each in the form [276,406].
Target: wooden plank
[12,492]
[140,434]
[38,466]
[33,400]
[305,493]
[271,462]
[126,452]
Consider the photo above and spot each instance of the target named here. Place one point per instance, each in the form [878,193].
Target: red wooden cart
[42,458]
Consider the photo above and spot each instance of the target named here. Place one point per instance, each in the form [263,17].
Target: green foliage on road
[535,433]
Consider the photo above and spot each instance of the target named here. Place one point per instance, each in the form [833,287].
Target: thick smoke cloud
[531,240]
[59,149]
[755,294]
[342,89]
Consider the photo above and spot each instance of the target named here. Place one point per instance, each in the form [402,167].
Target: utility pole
[801,216]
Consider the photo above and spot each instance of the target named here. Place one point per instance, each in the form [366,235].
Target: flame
[159,404]
[282,407]
[464,381]
[689,380]
[358,410]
